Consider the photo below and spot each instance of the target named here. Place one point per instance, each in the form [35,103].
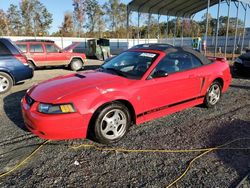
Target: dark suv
[41,53]
[242,63]
[13,65]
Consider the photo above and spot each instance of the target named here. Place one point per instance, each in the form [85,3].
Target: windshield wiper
[118,72]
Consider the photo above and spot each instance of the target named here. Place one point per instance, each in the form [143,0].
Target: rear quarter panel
[15,68]
[213,71]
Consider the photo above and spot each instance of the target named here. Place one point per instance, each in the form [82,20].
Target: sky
[59,7]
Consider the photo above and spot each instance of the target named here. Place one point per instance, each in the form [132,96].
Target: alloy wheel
[113,124]
[214,94]
[4,83]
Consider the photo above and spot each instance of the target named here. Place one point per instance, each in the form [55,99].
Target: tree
[117,14]
[14,18]
[42,19]
[4,28]
[35,17]
[67,28]
[95,16]
[79,15]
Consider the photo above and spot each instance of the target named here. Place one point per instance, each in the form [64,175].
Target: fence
[119,45]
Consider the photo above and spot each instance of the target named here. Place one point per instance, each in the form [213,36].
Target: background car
[13,65]
[242,63]
[42,53]
[95,48]
[134,87]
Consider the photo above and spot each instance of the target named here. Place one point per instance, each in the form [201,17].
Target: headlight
[238,60]
[56,109]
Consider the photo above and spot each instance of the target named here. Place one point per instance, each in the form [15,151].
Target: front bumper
[53,126]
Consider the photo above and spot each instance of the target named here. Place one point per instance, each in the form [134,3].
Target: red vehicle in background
[41,53]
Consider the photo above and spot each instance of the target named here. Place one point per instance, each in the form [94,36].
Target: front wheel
[213,95]
[6,82]
[76,64]
[112,123]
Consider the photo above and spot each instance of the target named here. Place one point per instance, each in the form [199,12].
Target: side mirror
[160,74]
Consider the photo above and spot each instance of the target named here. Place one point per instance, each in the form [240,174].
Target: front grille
[29,100]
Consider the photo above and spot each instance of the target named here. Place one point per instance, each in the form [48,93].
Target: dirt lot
[58,165]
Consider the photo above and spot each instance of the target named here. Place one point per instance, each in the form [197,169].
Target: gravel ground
[58,165]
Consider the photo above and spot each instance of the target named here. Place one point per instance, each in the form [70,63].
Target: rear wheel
[6,82]
[213,94]
[112,123]
[76,64]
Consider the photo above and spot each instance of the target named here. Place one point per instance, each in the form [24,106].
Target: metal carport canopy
[178,8]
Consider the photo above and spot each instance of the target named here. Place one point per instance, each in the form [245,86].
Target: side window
[51,48]
[174,62]
[36,48]
[22,47]
[184,61]
[4,50]
[196,61]
[168,64]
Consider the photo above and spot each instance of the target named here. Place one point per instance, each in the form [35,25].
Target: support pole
[228,21]
[159,29]
[167,29]
[207,25]
[236,28]
[149,22]
[175,29]
[244,29]
[138,29]
[182,31]
[217,29]
[128,25]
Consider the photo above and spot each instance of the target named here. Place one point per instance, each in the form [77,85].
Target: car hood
[56,89]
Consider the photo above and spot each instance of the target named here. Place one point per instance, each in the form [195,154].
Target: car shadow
[90,67]
[12,108]
[86,67]
[239,160]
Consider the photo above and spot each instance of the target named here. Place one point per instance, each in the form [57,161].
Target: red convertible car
[136,86]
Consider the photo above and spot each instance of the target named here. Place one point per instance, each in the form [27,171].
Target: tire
[112,123]
[6,83]
[76,64]
[213,94]
[31,65]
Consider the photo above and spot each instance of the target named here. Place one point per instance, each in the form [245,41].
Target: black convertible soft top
[167,48]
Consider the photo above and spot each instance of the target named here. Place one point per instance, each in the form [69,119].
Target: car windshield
[132,65]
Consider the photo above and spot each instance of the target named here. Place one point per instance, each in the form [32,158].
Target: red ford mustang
[136,86]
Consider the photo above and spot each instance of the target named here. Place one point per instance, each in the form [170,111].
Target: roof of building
[36,40]
[179,8]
